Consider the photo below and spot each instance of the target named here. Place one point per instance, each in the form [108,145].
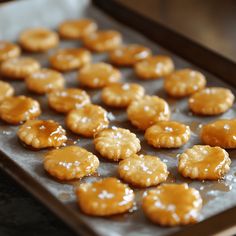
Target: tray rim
[222,221]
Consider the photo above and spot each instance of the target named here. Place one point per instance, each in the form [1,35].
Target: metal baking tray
[25,166]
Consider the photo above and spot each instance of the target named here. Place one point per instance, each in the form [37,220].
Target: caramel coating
[87,120]
[172,204]
[70,163]
[70,59]
[167,134]
[211,101]
[143,170]
[121,95]
[15,110]
[101,41]
[44,81]
[128,55]
[19,68]
[154,67]
[38,39]
[105,197]
[8,50]
[146,111]
[204,162]
[77,28]
[6,90]
[68,99]
[116,143]
[184,82]
[98,75]
[220,133]
[41,134]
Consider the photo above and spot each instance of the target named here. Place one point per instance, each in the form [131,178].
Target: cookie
[44,81]
[143,170]
[146,111]
[19,68]
[70,163]
[8,50]
[39,134]
[103,40]
[121,94]
[116,143]
[6,90]
[128,55]
[154,67]
[220,133]
[167,134]
[182,83]
[172,205]
[15,110]
[76,28]
[204,163]
[98,75]
[68,99]
[38,39]
[87,120]
[67,59]
[211,101]
[105,197]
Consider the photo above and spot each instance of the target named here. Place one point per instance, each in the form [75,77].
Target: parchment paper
[218,196]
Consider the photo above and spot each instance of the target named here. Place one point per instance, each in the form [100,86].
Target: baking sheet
[217,196]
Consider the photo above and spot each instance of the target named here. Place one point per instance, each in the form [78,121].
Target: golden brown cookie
[70,59]
[44,81]
[101,41]
[41,134]
[77,28]
[172,204]
[220,133]
[8,50]
[15,110]
[87,120]
[128,55]
[154,67]
[211,101]
[184,82]
[68,99]
[204,162]
[19,68]
[167,134]
[98,75]
[146,111]
[70,163]
[6,90]
[116,143]
[143,170]
[121,94]
[105,197]
[38,39]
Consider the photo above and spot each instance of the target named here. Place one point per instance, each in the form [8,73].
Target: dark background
[209,22]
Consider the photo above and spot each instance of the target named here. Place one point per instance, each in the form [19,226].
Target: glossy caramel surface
[76,29]
[121,95]
[68,99]
[204,162]
[42,134]
[146,111]
[143,170]
[105,197]
[129,54]
[70,163]
[220,133]
[15,110]
[172,204]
